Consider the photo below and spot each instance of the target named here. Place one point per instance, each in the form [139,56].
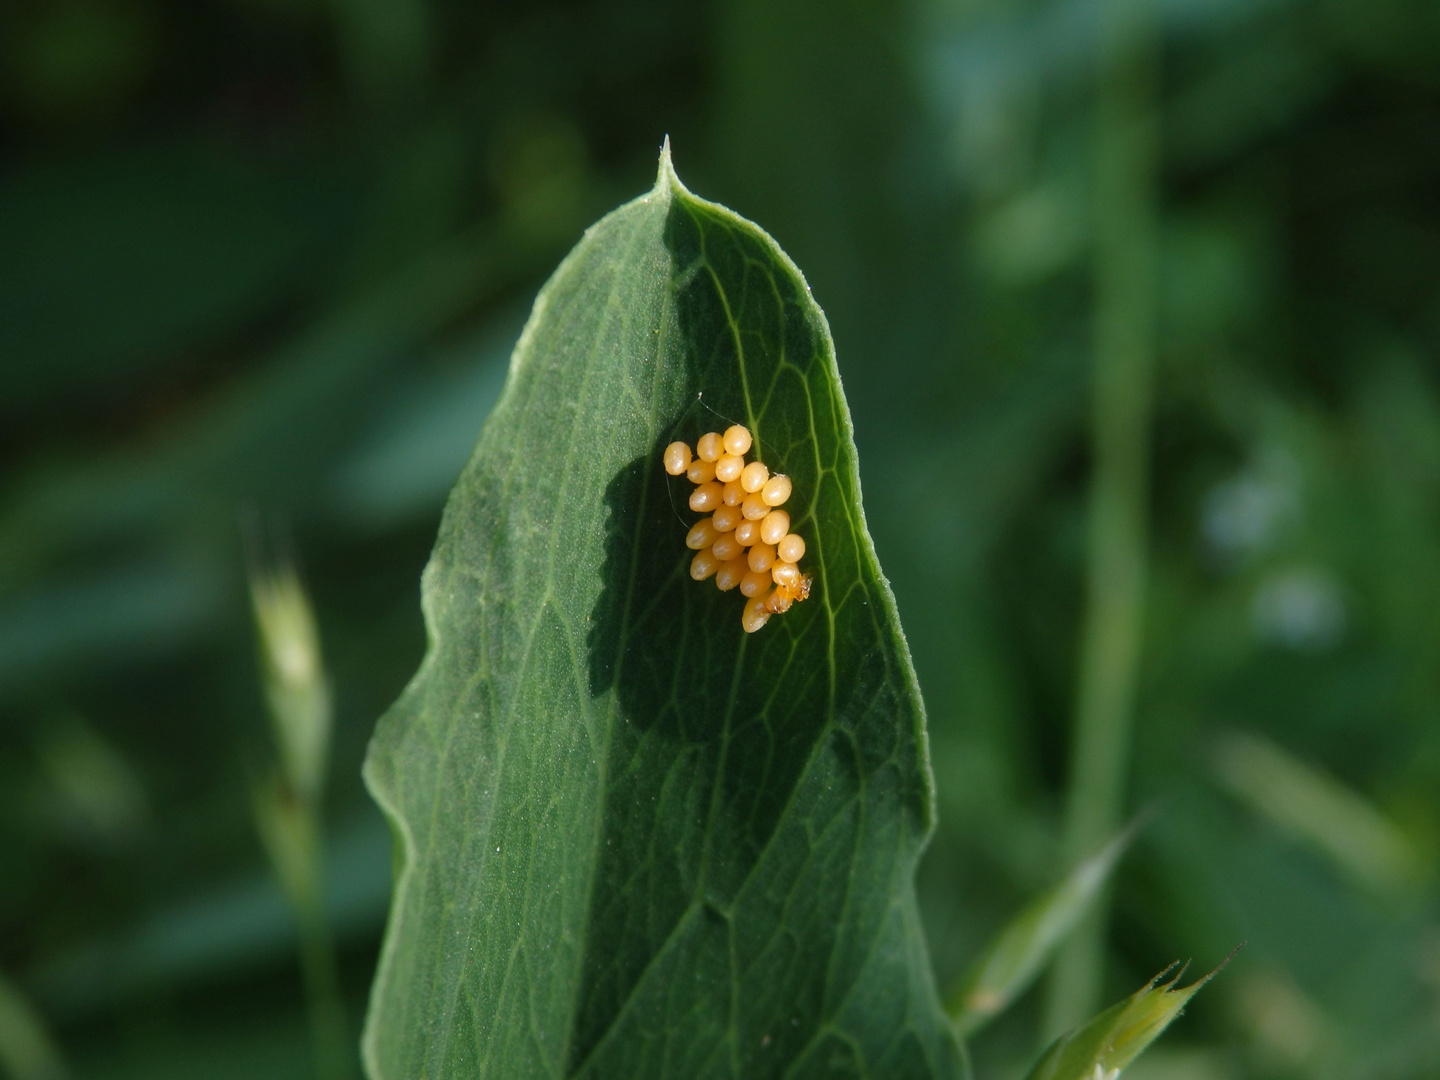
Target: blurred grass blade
[95,792]
[1319,810]
[1126,166]
[290,829]
[26,1050]
[294,675]
[1011,962]
[1107,1044]
[287,807]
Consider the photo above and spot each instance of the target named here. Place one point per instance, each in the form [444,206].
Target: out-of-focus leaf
[272,1044]
[1107,1044]
[406,465]
[106,618]
[1318,809]
[1015,957]
[1164,1063]
[113,264]
[93,792]
[26,1050]
[266,437]
[637,842]
[240,926]
[75,58]
[1285,1027]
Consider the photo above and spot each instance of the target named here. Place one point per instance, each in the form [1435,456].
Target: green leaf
[1319,810]
[636,841]
[1010,963]
[26,1049]
[1109,1043]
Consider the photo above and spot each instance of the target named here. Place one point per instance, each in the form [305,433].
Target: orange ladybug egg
[754,477]
[754,583]
[774,526]
[748,532]
[776,490]
[709,448]
[706,497]
[785,574]
[737,440]
[704,565]
[726,518]
[761,557]
[791,548]
[755,615]
[702,534]
[726,547]
[677,458]
[779,601]
[730,573]
[728,468]
[754,507]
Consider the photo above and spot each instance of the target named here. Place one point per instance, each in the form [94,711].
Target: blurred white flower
[1249,512]
[1298,608]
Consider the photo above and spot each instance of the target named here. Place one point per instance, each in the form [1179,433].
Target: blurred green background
[269,257]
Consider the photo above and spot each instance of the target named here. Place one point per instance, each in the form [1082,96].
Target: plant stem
[287,807]
[329,1028]
[289,825]
[1124,198]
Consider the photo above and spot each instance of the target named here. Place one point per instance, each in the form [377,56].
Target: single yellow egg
[726,518]
[754,476]
[709,448]
[753,583]
[705,497]
[734,493]
[791,547]
[703,565]
[761,557]
[677,458]
[755,615]
[702,534]
[754,508]
[701,472]
[726,547]
[728,468]
[774,526]
[748,532]
[785,574]
[730,573]
[737,440]
[776,491]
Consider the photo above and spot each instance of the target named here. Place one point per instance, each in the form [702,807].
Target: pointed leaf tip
[1109,1043]
[1010,963]
[665,176]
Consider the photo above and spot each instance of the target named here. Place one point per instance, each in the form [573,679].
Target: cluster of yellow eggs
[746,543]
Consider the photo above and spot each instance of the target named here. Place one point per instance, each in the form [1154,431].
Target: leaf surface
[634,840]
